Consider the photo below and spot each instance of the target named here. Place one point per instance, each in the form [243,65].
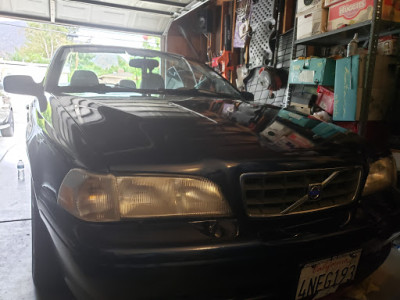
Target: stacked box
[388,45]
[331,2]
[351,12]
[325,99]
[311,23]
[311,19]
[396,11]
[303,6]
[387,10]
[391,10]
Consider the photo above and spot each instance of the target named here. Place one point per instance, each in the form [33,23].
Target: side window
[180,78]
[173,80]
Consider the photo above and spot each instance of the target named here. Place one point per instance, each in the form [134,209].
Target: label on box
[306,6]
[306,76]
[275,131]
[350,10]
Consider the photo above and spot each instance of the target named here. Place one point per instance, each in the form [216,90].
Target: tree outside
[42,40]
[151,42]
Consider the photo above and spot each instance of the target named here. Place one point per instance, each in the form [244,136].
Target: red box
[325,99]
[388,45]
[331,2]
[352,126]
[388,10]
[349,12]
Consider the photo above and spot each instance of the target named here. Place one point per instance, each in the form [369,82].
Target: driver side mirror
[22,84]
[25,85]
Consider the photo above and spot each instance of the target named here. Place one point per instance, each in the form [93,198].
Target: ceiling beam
[125,7]
[52,7]
[170,3]
[72,23]
[92,25]
[24,16]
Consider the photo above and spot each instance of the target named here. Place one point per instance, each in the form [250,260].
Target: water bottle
[20,168]
[352,47]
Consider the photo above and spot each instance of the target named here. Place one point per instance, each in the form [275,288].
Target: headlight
[382,174]
[101,198]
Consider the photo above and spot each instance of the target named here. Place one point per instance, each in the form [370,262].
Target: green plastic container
[314,71]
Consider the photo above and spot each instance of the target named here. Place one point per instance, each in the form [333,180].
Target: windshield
[130,73]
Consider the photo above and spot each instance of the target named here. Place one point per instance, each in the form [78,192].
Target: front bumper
[114,264]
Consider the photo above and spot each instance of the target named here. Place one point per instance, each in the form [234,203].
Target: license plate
[323,277]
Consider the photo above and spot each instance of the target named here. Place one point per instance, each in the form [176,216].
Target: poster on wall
[242,27]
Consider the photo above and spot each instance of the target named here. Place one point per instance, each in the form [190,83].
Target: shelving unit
[369,31]
[345,34]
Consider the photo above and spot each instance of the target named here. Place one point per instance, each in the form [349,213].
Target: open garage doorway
[26,48]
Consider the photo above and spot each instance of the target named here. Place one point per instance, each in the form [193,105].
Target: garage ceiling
[140,16]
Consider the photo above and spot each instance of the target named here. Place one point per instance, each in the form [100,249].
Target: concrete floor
[15,232]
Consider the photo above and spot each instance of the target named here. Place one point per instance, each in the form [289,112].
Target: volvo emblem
[314,191]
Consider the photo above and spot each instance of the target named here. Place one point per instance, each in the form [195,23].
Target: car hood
[122,132]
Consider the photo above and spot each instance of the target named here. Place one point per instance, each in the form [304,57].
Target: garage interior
[278,50]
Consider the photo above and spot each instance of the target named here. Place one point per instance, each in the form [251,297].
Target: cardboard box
[331,2]
[379,103]
[388,10]
[311,23]
[352,126]
[388,45]
[306,6]
[312,71]
[356,11]
[325,99]
[384,72]
[349,12]
[275,131]
[396,11]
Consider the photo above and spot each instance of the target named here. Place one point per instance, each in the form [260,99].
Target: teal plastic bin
[346,89]
[314,71]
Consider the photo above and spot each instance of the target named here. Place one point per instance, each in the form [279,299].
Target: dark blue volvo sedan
[153,177]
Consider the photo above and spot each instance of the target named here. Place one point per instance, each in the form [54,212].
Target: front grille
[289,192]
